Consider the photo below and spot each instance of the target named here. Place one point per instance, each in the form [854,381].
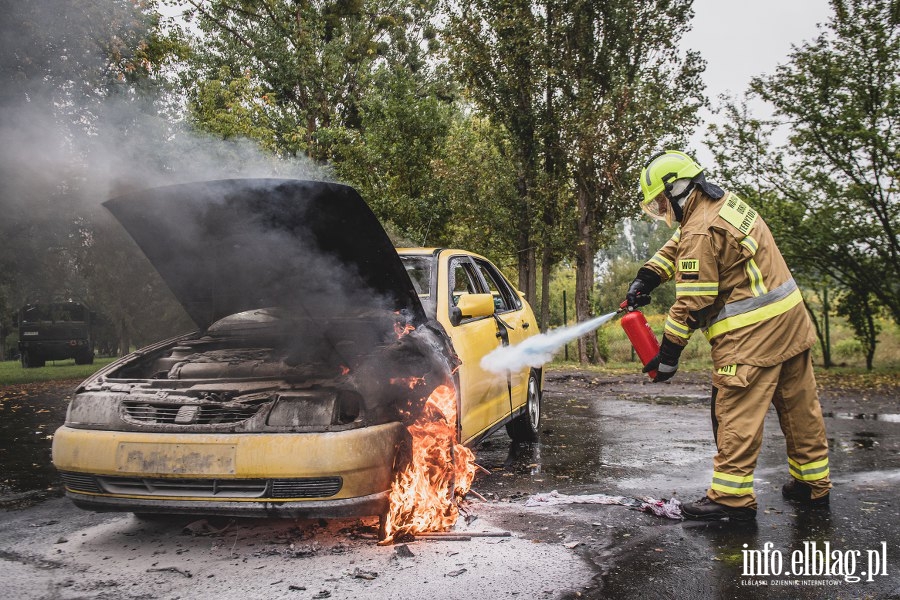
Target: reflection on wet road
[27,423]
[603,435]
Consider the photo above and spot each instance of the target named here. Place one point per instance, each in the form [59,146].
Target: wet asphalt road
[621,436]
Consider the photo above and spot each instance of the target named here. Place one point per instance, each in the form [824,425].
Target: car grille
[309,487]
[188,414]
[80,482]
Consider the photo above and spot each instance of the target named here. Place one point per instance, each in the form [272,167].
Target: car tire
[526,427]
[84,358]
[29,360]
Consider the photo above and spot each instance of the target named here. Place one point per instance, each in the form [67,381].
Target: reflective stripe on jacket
[731,281]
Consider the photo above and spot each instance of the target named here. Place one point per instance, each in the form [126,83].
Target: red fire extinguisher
[641,337]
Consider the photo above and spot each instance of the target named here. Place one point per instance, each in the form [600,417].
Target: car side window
[501,300]
[505,298]
[463,280]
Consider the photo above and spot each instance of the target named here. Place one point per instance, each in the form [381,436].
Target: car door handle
[526,325]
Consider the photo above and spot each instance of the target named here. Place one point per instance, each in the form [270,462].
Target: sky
[740,39]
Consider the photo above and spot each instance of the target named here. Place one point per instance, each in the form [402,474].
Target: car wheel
[525,427]
[29,360]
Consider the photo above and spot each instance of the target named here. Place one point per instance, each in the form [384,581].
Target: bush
[848,349]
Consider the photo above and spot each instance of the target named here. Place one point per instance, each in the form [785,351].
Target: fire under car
[317,343]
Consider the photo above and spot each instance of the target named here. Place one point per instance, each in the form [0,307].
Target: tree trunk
[826,357]
[871,341]
[584,279]
[527,266]
[826,347]
[546,270]
[124,340]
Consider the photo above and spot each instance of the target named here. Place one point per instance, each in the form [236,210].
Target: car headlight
[318,409]
[89,409]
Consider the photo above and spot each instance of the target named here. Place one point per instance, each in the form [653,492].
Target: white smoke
[540,349]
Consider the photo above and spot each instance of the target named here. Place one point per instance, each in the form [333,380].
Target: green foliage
[849,348]
[861,311]
[478,178]
[392,157]
[831,194]
[563,280]
[310,60]
[233,106]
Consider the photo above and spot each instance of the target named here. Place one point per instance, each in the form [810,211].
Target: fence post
[565,322]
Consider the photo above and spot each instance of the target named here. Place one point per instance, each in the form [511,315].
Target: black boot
[800,492]
[707,510]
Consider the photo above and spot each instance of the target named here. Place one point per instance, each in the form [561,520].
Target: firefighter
[732,283]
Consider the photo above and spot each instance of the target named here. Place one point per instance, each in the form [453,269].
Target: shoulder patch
[689,265]
[738,213]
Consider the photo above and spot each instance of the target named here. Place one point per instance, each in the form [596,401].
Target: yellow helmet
[663,169]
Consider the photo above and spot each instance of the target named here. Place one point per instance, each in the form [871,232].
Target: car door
[484,396]
[517,321]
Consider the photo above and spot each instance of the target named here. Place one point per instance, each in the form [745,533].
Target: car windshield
[419,270]
[55,312]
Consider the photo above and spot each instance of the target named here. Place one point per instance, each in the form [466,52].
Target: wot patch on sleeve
[689,265]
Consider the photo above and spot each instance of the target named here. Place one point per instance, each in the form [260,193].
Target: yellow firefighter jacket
[732,283]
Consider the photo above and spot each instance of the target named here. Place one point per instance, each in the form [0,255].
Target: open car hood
[229,246]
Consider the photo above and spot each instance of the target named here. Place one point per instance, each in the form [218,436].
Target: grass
[12,372]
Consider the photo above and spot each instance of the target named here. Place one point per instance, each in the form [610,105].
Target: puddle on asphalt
[887,418]
[671,400]
[859,440]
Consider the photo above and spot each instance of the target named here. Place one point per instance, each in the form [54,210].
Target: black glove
[638,294]
[666,362]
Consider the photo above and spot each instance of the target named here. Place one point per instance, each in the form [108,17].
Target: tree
[478,177]
[311,60]
[499,50]
[626,88]
[391,157]
[831,193]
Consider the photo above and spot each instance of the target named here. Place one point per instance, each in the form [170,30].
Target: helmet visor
[660,208]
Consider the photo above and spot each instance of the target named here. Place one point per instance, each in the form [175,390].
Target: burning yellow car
[318,343]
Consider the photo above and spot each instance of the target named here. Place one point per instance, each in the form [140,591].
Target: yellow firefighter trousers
[741,398]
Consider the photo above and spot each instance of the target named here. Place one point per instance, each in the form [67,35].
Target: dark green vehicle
[55,331]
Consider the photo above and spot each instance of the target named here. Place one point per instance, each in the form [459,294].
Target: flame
[425,494]
[402,330]
[412,382]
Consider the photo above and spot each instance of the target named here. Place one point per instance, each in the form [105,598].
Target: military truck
[55,331]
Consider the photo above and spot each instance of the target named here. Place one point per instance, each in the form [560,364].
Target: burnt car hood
[224,247]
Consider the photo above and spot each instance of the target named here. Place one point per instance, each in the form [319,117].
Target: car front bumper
[328,474]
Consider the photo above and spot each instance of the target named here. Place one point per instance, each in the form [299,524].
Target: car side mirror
[472,306]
